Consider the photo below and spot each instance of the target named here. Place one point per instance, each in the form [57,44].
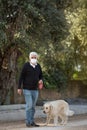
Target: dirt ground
[21,124]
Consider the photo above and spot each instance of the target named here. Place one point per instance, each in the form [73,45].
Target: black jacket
[30,76]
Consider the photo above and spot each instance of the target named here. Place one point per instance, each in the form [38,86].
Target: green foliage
[76,17]
[55,79]
[56,29]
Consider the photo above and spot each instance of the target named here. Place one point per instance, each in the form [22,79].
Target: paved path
[14,116]
[17,112]
[72,125]
[55,128]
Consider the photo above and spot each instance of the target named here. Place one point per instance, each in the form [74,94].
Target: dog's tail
[69,113]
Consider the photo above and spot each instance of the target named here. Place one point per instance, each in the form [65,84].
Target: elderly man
[30,78]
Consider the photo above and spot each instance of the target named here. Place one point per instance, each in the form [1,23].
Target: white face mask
[34,61]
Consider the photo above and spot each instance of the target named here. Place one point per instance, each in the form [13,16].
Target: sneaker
[28,125]
[34,124]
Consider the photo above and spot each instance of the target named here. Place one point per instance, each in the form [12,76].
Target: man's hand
[19,91]
[40,81]
[40,84]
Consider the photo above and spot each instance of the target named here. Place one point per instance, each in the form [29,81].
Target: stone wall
[75,89]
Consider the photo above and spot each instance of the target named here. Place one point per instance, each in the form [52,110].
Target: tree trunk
[8,77]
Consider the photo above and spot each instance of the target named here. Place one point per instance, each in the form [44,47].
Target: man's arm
[21,80]
[40,83]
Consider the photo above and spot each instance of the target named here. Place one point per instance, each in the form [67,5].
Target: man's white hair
[33,53]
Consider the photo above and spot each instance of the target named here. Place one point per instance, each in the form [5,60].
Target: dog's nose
[44,112]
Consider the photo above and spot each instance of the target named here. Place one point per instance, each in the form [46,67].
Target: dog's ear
[51,107]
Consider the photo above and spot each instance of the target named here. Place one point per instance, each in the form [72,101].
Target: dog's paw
[45,124]
[59,124]
[63,123]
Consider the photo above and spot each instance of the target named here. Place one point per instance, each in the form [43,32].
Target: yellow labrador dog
[55,109]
